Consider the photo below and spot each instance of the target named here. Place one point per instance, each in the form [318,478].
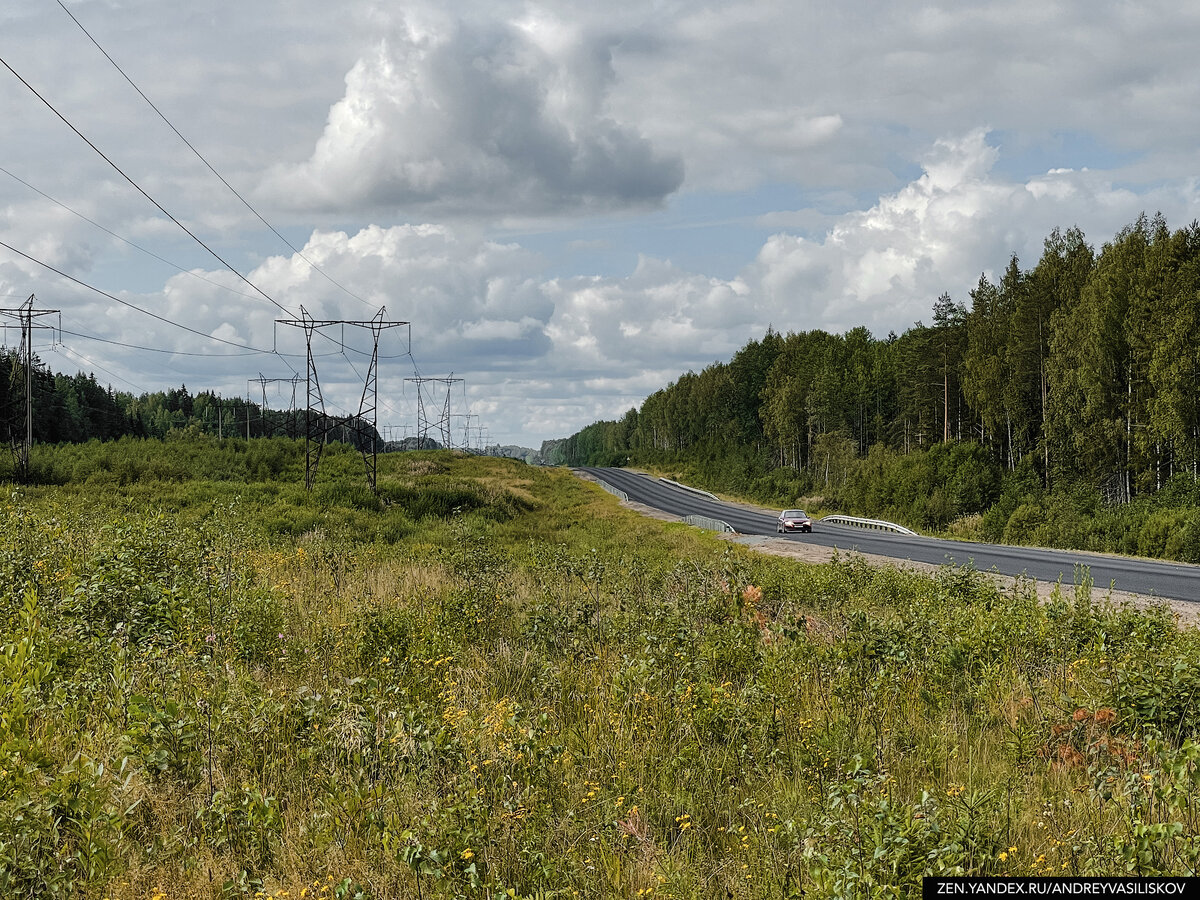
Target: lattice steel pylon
[317,424]
[26,315]
[263,381]
[443,422]
[466,428]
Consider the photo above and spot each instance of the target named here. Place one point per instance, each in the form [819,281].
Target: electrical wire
[165,212]
[92,337]
[209,165]
[63,349]
[156,204]
[132,306]
[142,191]
[135,246]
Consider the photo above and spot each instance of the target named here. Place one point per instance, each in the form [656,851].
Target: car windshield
[794,514]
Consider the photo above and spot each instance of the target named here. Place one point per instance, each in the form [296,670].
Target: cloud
[855,129]
[883,266]
[495,118]
[543,356]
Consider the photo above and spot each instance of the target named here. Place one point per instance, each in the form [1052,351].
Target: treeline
[1079,376]
[76,409]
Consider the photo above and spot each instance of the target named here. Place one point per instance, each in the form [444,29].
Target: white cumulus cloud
[498,118]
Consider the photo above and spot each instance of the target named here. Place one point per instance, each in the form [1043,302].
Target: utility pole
[317,424]
[27,316]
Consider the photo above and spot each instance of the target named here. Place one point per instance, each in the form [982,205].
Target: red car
[793,520]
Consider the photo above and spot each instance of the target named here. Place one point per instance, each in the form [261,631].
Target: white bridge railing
[877,524]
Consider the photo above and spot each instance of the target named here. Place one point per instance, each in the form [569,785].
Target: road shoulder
[1186,614]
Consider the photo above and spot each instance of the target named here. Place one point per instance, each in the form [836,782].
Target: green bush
[1024,524]
[1161,532]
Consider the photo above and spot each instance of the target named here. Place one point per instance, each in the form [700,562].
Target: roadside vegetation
[1056,405]
[498,683]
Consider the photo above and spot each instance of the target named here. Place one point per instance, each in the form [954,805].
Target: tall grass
[499,683]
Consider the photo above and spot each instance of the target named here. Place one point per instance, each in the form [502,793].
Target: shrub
[1024,523]
[1161,532]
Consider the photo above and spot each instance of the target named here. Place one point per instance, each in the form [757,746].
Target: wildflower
[467,854]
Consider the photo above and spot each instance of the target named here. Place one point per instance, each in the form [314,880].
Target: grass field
[498,683]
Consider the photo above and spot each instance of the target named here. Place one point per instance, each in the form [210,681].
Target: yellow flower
[467,854]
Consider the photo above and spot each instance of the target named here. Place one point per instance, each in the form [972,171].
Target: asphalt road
[1176,581]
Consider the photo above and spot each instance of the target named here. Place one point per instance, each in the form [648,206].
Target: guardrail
[688,487]
[877,524]
[616,492]
[710,524]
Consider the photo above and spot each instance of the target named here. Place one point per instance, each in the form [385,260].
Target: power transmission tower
[263,381]
[443,422]
[466,429]
[317,424]
[27,316]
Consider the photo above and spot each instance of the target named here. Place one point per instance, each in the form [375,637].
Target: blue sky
[571,203]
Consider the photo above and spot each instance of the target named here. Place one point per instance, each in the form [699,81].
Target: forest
[1054,395]
[76,409]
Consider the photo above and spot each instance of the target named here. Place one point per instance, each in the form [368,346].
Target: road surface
[1151,578]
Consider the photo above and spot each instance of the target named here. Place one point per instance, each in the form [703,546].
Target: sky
[570,203]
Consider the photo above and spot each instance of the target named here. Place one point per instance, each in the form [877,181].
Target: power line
[250,352]
[140,190]
[63,349]
[207,164]
[92,337]
[168,262]
[135,246]
[126,303]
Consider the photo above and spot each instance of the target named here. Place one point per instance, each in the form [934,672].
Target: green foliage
[534,693]
[165,737]
[1159,687]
